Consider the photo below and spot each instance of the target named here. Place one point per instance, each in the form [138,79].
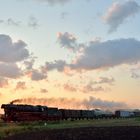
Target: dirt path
[89,133]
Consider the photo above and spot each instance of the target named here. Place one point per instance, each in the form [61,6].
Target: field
[9,129]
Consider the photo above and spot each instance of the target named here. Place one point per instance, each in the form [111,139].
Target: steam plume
[90,103]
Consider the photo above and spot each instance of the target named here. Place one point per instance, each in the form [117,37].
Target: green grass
[7,129]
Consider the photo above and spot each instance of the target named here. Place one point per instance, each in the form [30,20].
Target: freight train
[19,113]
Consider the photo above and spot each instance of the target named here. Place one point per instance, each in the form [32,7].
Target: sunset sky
[70,53]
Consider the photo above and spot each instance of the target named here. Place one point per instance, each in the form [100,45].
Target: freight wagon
[103,114]
[124,113]
[137,113]
[70,114]
[88,114]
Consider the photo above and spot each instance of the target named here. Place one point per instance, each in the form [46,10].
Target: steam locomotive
[20,112]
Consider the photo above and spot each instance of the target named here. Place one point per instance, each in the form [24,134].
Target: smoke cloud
[90,103]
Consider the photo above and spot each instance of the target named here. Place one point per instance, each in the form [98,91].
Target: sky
[81,54]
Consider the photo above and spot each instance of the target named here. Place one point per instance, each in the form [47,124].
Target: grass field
[7,129]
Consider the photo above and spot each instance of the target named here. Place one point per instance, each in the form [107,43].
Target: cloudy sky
[70,53]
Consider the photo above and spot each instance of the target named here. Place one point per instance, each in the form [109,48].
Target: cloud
[106,80]
[57,64]
[37,75]
[135,72]
[10,22]
[29,63]
[12,54]
[70,88]
[64,15]
[1,21]
[102,55]
[103,80]
[89,103]
[53,2]
[43,90]
[135,75]
[21,85]
[89,88]
[33,22]
[10,70]
[118,13]
[12,51]
[3,82]
[67,40]
[108,54]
